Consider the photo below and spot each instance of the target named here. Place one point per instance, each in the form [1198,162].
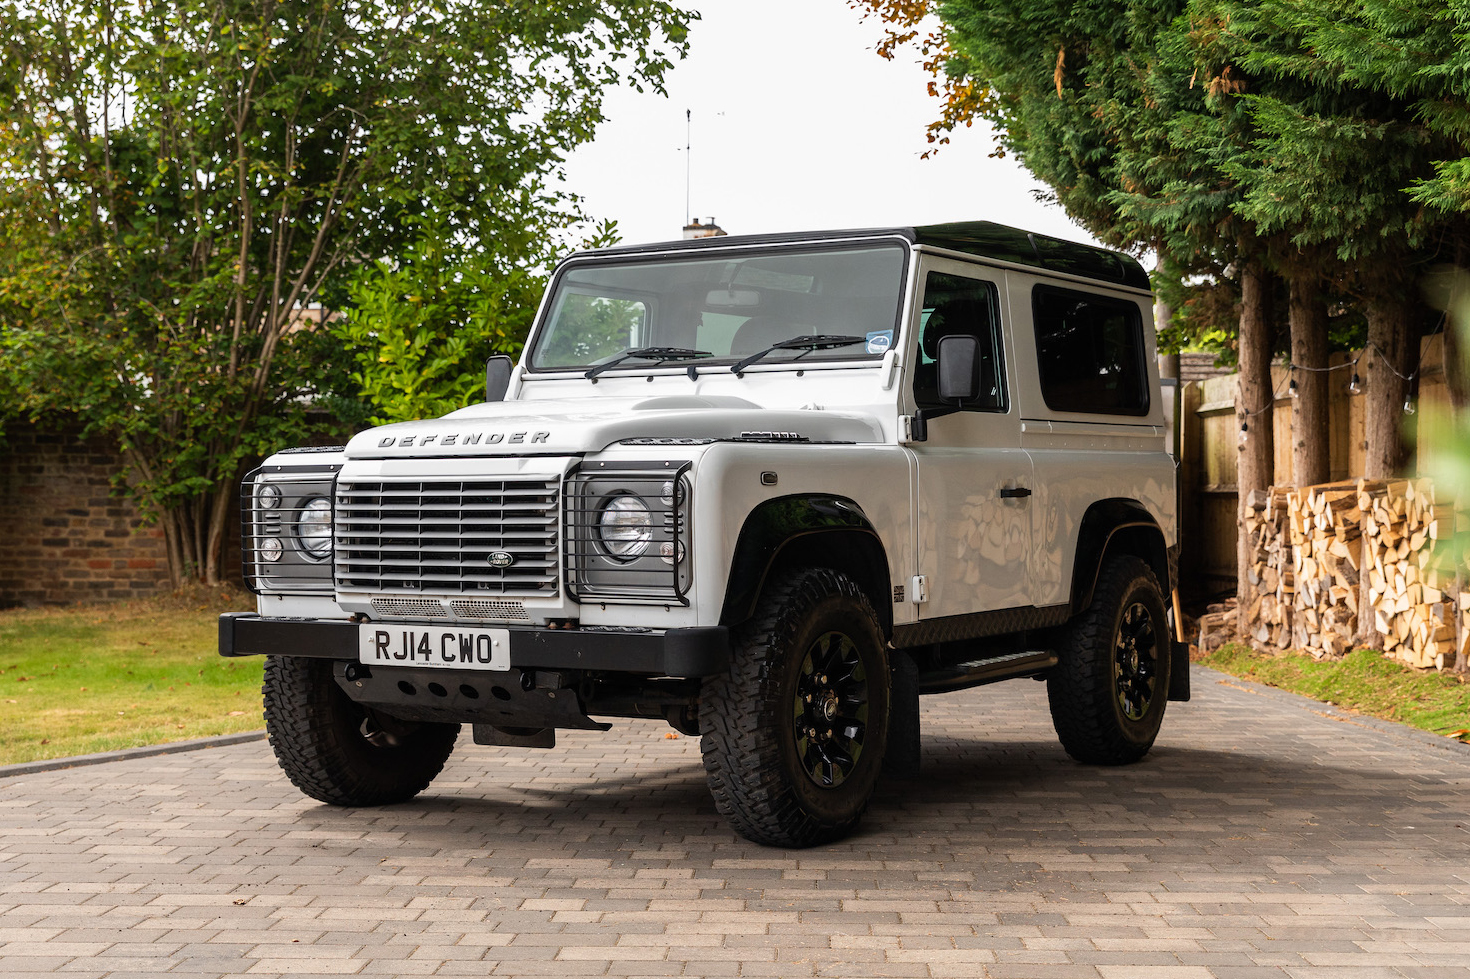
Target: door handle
[1015,493]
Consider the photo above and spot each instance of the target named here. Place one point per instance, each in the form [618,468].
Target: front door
[974,518]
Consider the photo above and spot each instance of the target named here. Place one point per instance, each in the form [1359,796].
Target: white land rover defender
[771,489]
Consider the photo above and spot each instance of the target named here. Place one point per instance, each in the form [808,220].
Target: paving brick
[1258,841]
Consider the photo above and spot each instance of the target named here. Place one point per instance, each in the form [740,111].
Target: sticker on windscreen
[879,341]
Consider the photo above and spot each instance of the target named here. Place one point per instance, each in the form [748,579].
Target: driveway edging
[127,754]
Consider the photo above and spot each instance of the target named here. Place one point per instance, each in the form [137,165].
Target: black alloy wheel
[1135,664]
[830,709]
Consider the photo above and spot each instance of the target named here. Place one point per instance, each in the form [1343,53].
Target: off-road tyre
[1107,691]
[814,635]
[320,741]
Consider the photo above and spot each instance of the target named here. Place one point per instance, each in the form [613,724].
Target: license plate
[443,647]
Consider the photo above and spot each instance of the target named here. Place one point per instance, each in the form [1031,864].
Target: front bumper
[694,652]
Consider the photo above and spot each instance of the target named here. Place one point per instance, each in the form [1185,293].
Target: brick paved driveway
[1261,839]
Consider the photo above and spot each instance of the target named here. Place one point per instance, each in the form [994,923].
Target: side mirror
[958,368]
[497,377]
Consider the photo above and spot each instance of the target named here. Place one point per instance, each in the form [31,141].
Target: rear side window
[1090,352]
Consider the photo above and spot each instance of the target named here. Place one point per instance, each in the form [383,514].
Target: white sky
[797,126]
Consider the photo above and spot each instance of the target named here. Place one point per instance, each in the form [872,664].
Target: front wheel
[1111,682]
[794,733]
[340,752]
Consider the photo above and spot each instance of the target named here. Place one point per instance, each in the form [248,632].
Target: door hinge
[919,589]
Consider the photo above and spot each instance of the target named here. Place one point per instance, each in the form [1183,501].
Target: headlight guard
[628,533]
[286,529]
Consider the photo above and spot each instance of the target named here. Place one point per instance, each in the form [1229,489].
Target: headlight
[625,527]
[314,527]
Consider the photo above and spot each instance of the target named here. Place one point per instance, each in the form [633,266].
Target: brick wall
[64,536]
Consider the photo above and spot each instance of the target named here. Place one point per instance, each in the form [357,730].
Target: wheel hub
[1135,668]
[830,709]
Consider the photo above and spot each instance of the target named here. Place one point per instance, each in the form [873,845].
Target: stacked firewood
[1333,563]
[1325,524]
[1410,582]
[1464,630]
[1271,575]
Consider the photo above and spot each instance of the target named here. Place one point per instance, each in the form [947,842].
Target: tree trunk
[1310,448]
[1457,331]
[194,535]
[1253,398]
[1384,370]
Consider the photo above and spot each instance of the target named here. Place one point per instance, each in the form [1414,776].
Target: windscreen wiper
[820,341]
[650,353]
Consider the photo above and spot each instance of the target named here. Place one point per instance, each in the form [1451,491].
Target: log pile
[1324,556]
[1325,524]
[1268,614]
[1464,630]
[1410,589]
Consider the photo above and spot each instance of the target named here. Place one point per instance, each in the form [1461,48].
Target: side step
[962,676]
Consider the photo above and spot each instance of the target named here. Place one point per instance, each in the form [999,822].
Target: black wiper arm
[650,353]
[820,341]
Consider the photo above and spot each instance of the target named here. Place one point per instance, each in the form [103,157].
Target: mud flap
[903,756]
[1179,670]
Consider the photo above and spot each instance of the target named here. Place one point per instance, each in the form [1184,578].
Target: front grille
[410,608]
[482,608]
[437,536]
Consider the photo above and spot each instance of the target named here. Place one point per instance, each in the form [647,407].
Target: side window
[956,306]
[1090,354]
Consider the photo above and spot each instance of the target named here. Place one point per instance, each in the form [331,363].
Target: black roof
[984,239]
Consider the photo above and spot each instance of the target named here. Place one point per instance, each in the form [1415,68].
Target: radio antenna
[688,148]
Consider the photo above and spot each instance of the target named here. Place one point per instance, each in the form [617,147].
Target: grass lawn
[1363,681]
[94,678]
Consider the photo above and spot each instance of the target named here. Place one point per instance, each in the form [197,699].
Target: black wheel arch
[1117,526]
[807,530]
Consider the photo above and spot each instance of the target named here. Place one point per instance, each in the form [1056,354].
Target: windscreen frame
[707,253]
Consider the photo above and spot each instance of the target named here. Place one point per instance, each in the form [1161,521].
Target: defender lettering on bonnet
[961,499]
[491,438]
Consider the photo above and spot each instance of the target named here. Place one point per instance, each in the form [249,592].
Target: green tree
[1333,164]
[419,327]
[207,171]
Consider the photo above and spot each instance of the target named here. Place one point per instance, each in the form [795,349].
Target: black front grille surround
[594,574]
[448,536]
[275,529]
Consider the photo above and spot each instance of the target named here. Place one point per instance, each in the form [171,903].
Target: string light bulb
[1355,386]
[1291,389]
[1409,408]
[1244,428]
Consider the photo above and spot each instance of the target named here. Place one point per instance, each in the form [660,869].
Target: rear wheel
[794,734]
[340,752]
[1111,682]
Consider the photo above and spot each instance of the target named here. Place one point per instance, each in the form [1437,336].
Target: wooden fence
[1209,441]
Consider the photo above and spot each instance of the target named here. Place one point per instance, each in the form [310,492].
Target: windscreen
[700,309]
